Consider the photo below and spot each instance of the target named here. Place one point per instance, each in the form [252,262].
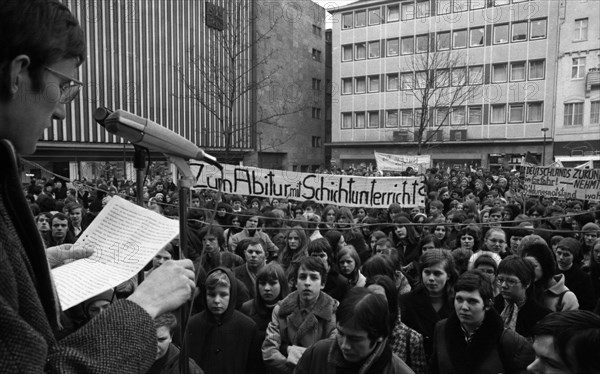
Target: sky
[329,4]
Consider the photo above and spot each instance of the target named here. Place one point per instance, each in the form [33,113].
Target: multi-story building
[389,55]
[577,125]
[171,62]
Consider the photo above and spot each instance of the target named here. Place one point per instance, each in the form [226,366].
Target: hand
[166,288]
[295,352]
[65,253]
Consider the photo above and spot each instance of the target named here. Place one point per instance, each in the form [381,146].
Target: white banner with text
[391,162]
[565,183]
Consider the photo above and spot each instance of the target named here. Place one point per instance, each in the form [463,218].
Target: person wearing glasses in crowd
[42,47]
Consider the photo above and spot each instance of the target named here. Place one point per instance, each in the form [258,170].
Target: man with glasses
[42,48]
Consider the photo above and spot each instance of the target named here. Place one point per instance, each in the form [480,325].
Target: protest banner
[344,190]
[566,183]
[391,162]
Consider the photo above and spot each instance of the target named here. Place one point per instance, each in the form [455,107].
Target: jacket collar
[375,362]
[324,307]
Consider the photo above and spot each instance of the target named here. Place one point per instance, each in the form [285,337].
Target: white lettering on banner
[346,190]
[563,182]
[392,162]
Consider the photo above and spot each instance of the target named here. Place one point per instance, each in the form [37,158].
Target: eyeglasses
[509,282]
[68,91]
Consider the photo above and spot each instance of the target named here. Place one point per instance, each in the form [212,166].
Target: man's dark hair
[44,30]
[249,213]
[215,230]
[475,280]
[321,245]
[312,264]
[576,335]
[379,265]
[361,309]
[60,216]
[167,320]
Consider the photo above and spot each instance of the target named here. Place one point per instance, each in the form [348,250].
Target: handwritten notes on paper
[124,238]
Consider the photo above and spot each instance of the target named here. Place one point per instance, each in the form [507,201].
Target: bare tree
[442,85]
[229,76]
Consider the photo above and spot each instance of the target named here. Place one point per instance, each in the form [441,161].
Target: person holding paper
[42,47]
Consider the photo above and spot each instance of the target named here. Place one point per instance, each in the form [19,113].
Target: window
[392,82]
[460,6]
[441,116]
[373,83]
[443,41]
[581,29]
[595,112]
[393,13]
[408,11]
[423,9]
[316,54]
[347,52]
[316,112]
[459,77]
[360,18]
[347,21]
[519,31]
[316,84]
[361,51]
[391,118]
[477,4]
[422,43]
[573,114]
[516,113]
[316,142]
[499,73]
[538,29]
[408,45]
[316,30]
[346,120]
[498,113]
[407,118]
[517,71]
[406,81]
[459,39]
[360,84]
[475,75]
[421,79]
[374,16]
[373,119]
[444,6]
[374,49]
[578,70]
[442,78]
[536,69]
[359,122]
[501,2]
[474,115]
[476,39]
[392,47]
[346,86]
[500,34]
[535,112]
[457,117]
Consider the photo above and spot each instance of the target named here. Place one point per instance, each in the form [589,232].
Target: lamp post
[544,130]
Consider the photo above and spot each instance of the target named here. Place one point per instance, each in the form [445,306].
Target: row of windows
[473,75]
[447,40]
[573,115]
[411,10]
[456,116]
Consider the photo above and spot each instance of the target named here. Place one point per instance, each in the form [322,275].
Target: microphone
[150,135]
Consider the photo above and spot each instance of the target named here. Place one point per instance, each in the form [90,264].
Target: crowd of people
[466,279]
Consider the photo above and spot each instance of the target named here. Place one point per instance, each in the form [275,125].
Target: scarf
[510,312]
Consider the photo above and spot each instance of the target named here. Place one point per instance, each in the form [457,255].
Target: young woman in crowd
[470,238]
[336,285]
[328,219]
[438,228]
[296,245]
[405,240]
[349,264]
[426,305]
[344,219]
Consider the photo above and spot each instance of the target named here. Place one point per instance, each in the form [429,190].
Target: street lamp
[544,130]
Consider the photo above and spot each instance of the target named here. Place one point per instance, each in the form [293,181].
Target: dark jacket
[325,357]
[529,314]
[169,364]
[227,343]
[120,340]
[418,314]
[241,273]
[581,285]
[492,349]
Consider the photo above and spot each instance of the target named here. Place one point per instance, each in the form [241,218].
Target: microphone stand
[139,163]
[184,183]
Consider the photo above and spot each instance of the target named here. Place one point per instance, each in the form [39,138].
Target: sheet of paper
[124,237]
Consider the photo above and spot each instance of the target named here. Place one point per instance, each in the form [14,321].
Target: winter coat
[288,328]
[169,364]
[492,348]
[581,285]
[214,340]
[407,344]
[325,357]
[552,296]
[529,314]
[120,340]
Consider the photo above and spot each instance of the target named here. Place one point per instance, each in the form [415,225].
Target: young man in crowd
[255,260]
